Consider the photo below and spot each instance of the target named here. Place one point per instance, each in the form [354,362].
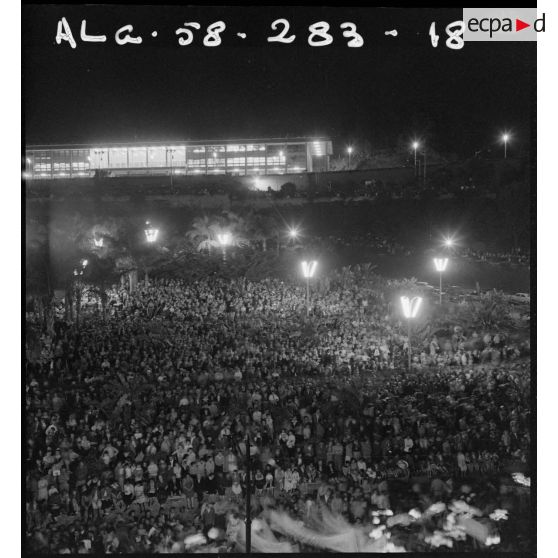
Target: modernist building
[235,157]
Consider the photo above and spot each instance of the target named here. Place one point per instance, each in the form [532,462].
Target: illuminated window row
[230,158]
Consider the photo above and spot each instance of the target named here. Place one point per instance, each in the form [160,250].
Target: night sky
[388,91]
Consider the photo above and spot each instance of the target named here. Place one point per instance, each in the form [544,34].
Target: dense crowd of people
[139,423]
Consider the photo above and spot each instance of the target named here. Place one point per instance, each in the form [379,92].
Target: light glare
[224,239]
[441,264]
[309,268]
[151,233]
[410,306]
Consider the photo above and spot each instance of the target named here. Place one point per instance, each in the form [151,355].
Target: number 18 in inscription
[454,31]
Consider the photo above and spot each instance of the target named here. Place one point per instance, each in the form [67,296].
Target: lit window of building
[234,157]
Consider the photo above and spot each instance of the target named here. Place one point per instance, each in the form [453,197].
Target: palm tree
[202,234]
[236,225]
[205,233]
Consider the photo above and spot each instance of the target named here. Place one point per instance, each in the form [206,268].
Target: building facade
[238,157]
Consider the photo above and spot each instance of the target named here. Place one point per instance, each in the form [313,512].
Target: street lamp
[151,236]
[410,311]
[350,151]
[150,232]
[293,233]
[225,240]
[448,241]
[505,139]
[440,264]
[308,270]
[78,273]
[415,147]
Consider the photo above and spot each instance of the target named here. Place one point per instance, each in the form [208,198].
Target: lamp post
[151,234]
[308,270]
[410,311]
[350,151]
[505,139]
[440,264]
[224,240]
[415,147]
[293,233]
[449,245]
[78,273]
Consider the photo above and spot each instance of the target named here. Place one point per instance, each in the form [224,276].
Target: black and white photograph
[278,273]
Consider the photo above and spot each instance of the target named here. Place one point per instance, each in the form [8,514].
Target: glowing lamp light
[448,242]
[506,137]
[416,145]
[224,239]
[440,264]
[309,268]
[410,306]
[293,233]
[150,232]
[349,150]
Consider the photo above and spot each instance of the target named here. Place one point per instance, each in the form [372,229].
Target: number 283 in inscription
[319,33]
